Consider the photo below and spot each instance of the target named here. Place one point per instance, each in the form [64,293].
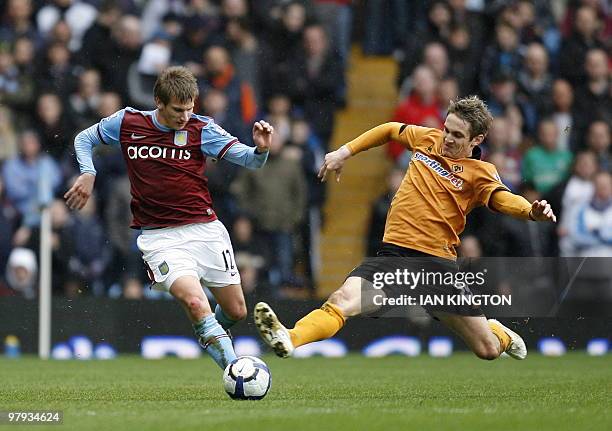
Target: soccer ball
[247,378]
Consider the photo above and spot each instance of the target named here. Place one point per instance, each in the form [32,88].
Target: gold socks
[504,339]
[317,325]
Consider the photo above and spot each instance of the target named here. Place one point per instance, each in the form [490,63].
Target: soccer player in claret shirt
[445,181]
[183,244]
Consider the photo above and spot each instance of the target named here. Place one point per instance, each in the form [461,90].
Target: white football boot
[272,331]
[517,348]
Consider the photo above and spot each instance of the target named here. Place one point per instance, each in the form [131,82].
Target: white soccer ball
[247,378]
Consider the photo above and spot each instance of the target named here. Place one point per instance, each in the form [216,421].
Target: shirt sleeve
[109,128]
[220,144]
[106,131]
[406,135]
[410,135]
[486,182]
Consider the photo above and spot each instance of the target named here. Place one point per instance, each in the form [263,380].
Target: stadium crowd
[542,66]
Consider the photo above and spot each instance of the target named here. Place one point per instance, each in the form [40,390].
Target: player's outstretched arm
[517,206]
[542,211]
[375,137]
[262,135]
[80,192]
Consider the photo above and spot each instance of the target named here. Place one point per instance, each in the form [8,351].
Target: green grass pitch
[573,392]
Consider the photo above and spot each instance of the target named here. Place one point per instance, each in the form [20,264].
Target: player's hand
[80,192]
[541,211]
[262,135]
[334,161]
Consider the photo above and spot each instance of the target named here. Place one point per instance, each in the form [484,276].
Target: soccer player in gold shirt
[445,181]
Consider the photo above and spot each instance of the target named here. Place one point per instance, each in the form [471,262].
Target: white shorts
[202,250]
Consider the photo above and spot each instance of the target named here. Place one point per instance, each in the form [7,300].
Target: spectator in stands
[315,80]
[593,99]
[386,27]
[127,44]
[154,57]
[231,9]
[574,48]
[57,73]
[435,57]
[420,107]
[245,239]
[60,33]
[62,246]
[83,103]
[279,110]
[199,31]
[8,136]
[23,174]
[598,141]
[436,29]
[154,11]
[93,53]
[571,195]
[591,228]
[310,153]
[9,221]
[9,75]
[448,89]
[21,101]
[17,82]
[503,101]
[472,18]
[22,272]
[545,165]
[215,105]
[378,214]
[244,51]
[502,151]
[534,81]
[336,17]
[518,238]
[562,113]
[463,58]
[280,46]
[276,206]
[502,57]
[18,22]
[91,251]
[251,253]
[78,14]
[221,75]
[125,259]
[53,126]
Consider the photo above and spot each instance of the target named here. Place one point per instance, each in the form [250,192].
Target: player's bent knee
[194,304]
[342,299]
[487,351]
[237,312]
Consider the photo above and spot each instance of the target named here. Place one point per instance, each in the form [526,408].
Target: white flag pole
[45,195]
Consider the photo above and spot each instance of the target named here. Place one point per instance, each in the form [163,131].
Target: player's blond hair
[177,83]
[475,112]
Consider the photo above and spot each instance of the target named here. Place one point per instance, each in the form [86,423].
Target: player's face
[457,143]
[175,114]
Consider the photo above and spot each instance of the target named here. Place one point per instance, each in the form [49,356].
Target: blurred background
[321,72]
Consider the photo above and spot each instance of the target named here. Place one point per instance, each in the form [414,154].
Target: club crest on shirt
[163,268]
[457,169]
[180,138]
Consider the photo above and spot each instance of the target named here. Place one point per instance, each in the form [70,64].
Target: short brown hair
[475,112]
[176,82]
